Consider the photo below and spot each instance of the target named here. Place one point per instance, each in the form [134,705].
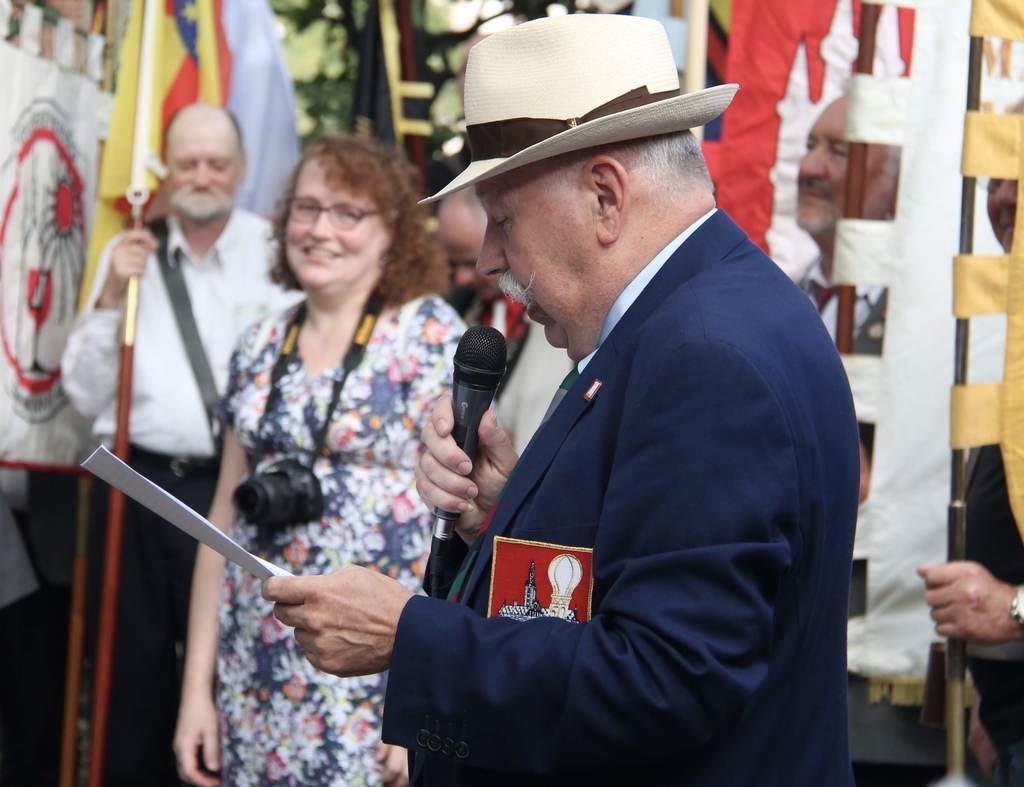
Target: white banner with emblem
[49,128]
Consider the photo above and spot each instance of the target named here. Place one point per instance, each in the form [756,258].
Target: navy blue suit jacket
[715,475]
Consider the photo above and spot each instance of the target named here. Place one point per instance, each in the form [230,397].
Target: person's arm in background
[90,361]
[969,603]
[197,715]
[979,742]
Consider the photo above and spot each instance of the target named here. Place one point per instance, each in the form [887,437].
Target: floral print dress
[282,721]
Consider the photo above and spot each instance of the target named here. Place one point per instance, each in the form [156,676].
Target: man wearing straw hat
[655,592]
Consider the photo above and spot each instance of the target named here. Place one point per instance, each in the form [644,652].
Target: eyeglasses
[341,216]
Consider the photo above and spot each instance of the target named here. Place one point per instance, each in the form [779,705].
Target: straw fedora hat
[567,83]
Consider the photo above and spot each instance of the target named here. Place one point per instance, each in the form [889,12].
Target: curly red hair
[416,264]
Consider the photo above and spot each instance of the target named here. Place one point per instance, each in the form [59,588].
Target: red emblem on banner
[531,579]
[42,253]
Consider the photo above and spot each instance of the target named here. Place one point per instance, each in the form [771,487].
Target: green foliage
[322,49]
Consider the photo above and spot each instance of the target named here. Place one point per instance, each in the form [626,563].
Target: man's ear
[608,183]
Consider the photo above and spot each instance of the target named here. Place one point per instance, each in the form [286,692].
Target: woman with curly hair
[321,421]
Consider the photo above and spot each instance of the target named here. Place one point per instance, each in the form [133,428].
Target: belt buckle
[179,466]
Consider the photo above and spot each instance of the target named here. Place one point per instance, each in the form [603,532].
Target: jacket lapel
[532,466]
[708,244]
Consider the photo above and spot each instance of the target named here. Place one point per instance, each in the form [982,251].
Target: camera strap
[289,348]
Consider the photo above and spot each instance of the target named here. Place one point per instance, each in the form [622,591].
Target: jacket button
[462,750]
[446,747]
[421,737]
[434,742]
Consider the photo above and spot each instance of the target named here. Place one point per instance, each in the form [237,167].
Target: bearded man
[821,198]
[217,263]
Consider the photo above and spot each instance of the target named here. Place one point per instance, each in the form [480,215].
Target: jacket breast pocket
[575,534]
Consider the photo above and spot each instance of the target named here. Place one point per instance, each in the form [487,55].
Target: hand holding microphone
[468,456]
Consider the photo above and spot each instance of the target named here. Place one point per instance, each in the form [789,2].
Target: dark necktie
[570,378]
[821,294]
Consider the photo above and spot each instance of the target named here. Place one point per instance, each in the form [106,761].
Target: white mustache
[818,186]
[515,289]
[202,205]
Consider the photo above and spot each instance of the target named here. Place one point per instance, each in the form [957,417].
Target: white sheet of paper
[105,465]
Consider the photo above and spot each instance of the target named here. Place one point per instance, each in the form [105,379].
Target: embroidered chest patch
[531,579]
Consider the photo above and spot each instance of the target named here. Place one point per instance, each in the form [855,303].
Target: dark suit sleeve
[698,529]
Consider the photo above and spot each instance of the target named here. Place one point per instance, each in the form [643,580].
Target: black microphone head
[480,357]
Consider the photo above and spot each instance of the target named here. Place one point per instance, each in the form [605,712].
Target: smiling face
[821,183]
[324,259]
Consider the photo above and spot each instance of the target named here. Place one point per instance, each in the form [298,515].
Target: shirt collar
[178,247]
[815,278]
[639,282]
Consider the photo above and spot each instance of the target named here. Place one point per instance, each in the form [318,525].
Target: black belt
[178,466]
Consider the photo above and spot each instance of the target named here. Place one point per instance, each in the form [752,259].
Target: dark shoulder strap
[174,280]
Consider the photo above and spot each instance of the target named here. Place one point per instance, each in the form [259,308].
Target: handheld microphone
[479,366]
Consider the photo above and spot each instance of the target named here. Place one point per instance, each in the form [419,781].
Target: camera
[285,493]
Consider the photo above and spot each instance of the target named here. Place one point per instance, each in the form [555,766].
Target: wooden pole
[956,546]
[856,170]
[415,144]
[138,196]
[695,73]
[76,636]
[110,11]
[112,551]
[80,564]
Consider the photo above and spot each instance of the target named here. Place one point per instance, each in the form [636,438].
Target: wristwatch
[1017,606]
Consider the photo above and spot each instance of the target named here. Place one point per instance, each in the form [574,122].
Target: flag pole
[407,42]
[856,172]
[137,195]
[80,563]
[695,73]
[76,636]
[956,544]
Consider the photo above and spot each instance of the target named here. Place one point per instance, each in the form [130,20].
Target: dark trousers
[152,619]
[33,655]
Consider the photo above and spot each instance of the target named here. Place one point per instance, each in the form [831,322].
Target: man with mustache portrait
[821,197]
[215,263]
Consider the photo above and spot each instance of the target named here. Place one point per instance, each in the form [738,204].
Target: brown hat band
[504,138]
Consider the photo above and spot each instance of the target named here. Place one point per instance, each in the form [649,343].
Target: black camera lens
[251,500]
[285,493]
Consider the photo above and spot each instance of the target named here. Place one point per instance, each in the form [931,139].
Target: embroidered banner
[48,149]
